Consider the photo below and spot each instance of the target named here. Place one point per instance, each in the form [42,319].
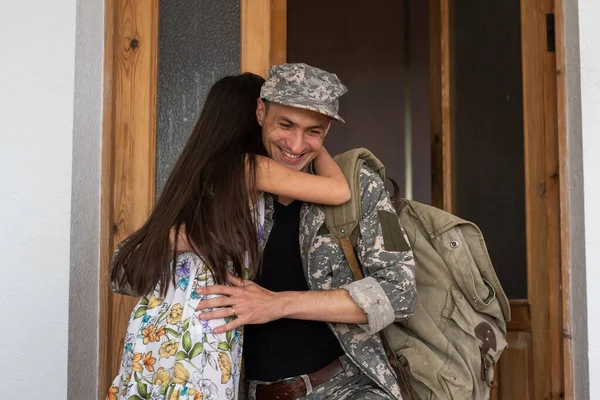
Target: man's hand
[249,302]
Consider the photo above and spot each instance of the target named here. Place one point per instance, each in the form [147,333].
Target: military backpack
[448,348]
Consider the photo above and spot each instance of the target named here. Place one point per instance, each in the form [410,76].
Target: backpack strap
[342,220]
[351,258]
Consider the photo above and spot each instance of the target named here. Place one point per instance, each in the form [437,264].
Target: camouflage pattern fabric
[303,86]
[388,293]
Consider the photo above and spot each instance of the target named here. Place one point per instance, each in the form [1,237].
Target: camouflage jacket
[388,292]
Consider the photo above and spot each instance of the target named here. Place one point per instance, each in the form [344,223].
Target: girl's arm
[328,187]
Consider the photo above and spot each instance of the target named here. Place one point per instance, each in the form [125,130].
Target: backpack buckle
[485,333]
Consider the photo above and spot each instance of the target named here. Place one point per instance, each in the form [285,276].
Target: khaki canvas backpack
[447,350]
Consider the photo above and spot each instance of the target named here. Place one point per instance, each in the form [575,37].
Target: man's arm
[334,305]
[388,293]
[254,304]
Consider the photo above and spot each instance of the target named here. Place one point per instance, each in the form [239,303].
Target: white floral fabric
[170,353]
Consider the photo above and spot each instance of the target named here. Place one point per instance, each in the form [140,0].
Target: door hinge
[550,33]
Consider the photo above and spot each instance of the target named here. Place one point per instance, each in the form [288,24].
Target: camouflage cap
[303,86]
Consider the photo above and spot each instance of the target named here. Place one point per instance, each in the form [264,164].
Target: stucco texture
[199,42]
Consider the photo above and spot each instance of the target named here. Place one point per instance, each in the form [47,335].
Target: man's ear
[328,126]
[261,110]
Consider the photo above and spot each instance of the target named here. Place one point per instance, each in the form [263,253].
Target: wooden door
[532,367]
[384,62]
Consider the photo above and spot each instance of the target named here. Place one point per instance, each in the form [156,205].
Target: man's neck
[286,201]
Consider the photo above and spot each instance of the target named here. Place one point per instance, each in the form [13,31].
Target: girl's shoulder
[258,208]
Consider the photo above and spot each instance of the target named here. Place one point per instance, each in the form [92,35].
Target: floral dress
[169,353]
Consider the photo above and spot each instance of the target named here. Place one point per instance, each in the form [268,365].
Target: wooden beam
[128,154]
[263,34]
[565,234]
[440,100]
[278,50]
[255,36]
[542,200]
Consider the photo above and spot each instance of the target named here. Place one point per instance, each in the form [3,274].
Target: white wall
[85,211]
[37,58]
[589,30]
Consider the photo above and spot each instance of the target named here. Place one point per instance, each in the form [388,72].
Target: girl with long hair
[213,196]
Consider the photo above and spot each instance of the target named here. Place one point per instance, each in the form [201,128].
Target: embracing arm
[254,304]
[322,305]
[328,187]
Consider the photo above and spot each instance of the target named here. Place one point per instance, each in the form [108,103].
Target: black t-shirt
[286,347]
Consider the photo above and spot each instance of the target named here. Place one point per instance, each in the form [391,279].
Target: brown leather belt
[295,388]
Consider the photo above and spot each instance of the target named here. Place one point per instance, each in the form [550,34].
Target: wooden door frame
[129,155]
[542,191]
[566,320]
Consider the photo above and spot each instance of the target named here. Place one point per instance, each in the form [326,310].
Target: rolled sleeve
[372,299]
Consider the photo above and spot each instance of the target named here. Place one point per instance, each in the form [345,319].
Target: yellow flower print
[174,395]
[175,314]
[168,349]
[135,362]
[149,361]
[148,333]
[125,383]
[112,393]
[225,365]
[180,374]
[154,302]
[161,377]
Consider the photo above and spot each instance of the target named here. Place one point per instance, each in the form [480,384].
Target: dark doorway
[381,53]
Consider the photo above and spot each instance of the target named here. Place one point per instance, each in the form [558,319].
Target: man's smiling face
[292,136]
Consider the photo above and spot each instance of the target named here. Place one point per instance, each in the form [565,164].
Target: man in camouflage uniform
[296,107]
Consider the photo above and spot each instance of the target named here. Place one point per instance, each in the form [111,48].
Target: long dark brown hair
[208,192]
